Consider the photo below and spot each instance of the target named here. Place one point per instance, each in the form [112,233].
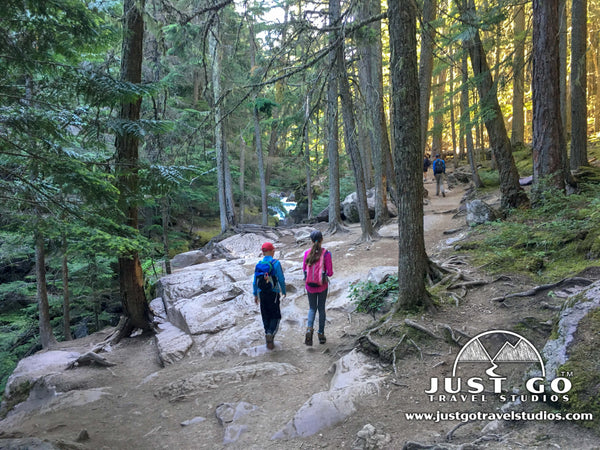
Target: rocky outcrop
[556,351]
[354,376]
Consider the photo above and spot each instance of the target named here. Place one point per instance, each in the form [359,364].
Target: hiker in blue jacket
[271,294]
[439,170]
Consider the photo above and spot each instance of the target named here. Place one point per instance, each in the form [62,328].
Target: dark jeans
[270,312]
[316,302]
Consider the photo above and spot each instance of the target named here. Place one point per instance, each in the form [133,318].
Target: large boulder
[350,206]
[479,212]
[188,259]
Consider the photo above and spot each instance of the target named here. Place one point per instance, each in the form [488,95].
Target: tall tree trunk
[517,136]
[426,65]
[438,118]
[513,195]
[565,110]
[351,141]
[331,112]
[47,339]
[165,214]
[307,155]
[66,296]
[579,85]
[548,138]
[466,120]
[412,259]
[242,176]
[371,77]
[258,138]
[597,84]
[130,270]
[220,145]
[457,155]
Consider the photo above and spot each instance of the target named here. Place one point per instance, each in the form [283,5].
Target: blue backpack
[265,276]
[439,166]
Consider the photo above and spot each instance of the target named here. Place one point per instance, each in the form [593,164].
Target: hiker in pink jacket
[317,267]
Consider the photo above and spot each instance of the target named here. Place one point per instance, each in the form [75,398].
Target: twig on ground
[417,347]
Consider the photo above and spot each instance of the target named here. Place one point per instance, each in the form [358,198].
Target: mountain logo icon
[514,348]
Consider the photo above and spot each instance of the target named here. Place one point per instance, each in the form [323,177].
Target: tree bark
[408,155]
[579,85]
[47,339]
[130,270]
[466,120]
[258,138]
[565,110]
[438,116]
[513,195]
[331,113]
[426,65]
[517,136]
[241,180]
[307,155]
[548,137]
[220,145]
[66,296]
[351,141]
[371,77]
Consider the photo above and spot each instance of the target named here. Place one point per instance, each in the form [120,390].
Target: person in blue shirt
[439,169]
[270,299]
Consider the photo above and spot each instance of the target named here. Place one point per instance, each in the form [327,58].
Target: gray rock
[379,274]
[556,351]
[200,381]
[36,367]
[368,438]
[172,343]
[230,415]
[479,212]
[354,376]
[157,307]
[187,259]
[247,245]
[193,421]
[29,443]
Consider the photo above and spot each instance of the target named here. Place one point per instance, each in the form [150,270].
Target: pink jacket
[328,270]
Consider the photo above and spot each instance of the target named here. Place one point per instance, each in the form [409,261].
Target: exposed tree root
[421,328]
[574,281]
[90,358]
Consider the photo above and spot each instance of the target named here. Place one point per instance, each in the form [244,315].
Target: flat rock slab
[212,379]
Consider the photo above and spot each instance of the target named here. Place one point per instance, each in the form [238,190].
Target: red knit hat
[267,247]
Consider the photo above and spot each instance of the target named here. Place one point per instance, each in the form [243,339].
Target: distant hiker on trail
[439,170]
[269,289]
[317,267]
[426,164]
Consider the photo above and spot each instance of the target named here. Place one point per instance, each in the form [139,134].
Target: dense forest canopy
[240,104]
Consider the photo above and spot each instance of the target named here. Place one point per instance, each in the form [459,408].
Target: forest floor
[131,416]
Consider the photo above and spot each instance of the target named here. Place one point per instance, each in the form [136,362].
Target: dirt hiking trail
[131,415]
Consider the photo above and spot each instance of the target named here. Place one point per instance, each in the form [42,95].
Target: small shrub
[370,297]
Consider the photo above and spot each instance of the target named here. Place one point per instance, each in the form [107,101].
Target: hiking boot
[308,336]
[322,338]
[270,343]
[443,194]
